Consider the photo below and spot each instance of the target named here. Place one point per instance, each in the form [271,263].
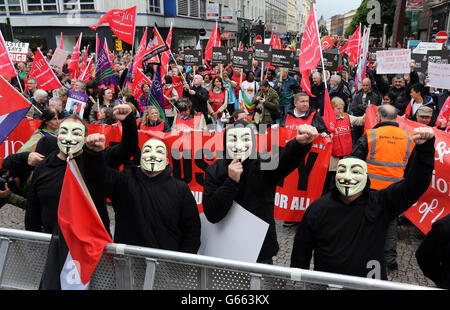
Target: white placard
[423,47]
[239,236]
[58,59]
[394,61]
[17,50]
[439,75]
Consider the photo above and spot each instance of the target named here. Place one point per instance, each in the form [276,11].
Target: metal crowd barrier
[122,267]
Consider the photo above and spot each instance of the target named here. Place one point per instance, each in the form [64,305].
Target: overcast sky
[328,8]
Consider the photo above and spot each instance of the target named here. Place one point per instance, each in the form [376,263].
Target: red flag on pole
[155,46]
[7,69]
[214,41]
[139,80]
[42,71]
[310,54]
[121,22]
[85,61]
[305,83]
[166,55]
[352,47]
[61,41]
[74,61]
[140,53]
[87,73]
[277,43]
[329,117]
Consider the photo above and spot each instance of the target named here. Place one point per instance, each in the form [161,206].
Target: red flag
[41,70]
[108,53]
[329,117]
[214,41]
[139,79]
[310,54]
[61,42]
[276,43]
[352,47]
[140,53]
[87,73]
[240,47]
[327,42]
[85,61]
[80,224]
[75,60]
[166,55]
[155,46]
[306,83]
[121,22]
[7,69]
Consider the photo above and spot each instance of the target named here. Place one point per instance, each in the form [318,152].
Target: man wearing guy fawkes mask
[241,177]
[346,228]
[153,209]
[48,177]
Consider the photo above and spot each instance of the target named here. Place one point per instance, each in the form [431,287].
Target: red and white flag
[85,61]
[166,55]
[139,79]
[87,73]
[155,46]
[7,69]
[353,46]
[75,60]
[214,41]
[310,53]
[121,22]
[82,229]
[329,117]
[41,70]
[140,53]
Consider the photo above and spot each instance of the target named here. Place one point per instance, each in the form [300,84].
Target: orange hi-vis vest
[389,151]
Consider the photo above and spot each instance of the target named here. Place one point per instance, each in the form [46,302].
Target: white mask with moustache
[351,176]
[71,137]
[154,156]
[239,143]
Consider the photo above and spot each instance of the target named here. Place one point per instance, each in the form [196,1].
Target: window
[79,5]
[189,8]
[13,6]
[42,5]
[155,6]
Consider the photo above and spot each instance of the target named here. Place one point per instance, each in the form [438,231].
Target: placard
[76,102]
[421,62]
[221,56]
[283,58]
[423,47]
[331,59]
[193,57]
[394,61]
[263,52]
[438,57]
[439,74]
[296,69]
[242,60]
[58,59]
[18,51]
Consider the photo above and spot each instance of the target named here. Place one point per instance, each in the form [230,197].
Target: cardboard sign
[221,56]
[438,57]
[331,59]
[394,61]
[263,52]
[58,59]
[242,60]
[283,58]
[18,51]
[421,62]
[193,57]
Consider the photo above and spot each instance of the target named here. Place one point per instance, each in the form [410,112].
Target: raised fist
[95,142]
[422,135]
[121,111]
[306,134]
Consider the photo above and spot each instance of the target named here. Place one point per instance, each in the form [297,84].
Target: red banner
[122,23]
[310,55]
[7,69]
[47,80]
[139,80]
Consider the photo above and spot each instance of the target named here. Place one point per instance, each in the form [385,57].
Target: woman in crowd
[207,82]
[144,99]
[106,116]
[188,119]
[151,121]
[49,127]
[92,92]
[39,102]
[106,100]
[217,103]
[230,85]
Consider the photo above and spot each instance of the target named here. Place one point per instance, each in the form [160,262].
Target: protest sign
[18,51]
[423,47]
[394,61]
[439,57]
[439,74]
[221,56]
[421,62]
[76,102]
[283,58]
[193,58]
[263,52]
[242,60]
[58,59]
[296,69]
[331,59]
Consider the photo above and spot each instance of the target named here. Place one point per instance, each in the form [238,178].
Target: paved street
[409,240]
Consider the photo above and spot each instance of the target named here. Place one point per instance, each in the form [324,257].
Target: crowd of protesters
[207,98]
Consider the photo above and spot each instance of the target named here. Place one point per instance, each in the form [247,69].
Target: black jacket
[359,105]
[255,192]
[318,101]
[48,178]
[349,239]
[317,120]
[433,255]
[158,212]
[199,100]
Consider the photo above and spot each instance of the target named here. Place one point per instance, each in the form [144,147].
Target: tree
[387,17]
[323,31]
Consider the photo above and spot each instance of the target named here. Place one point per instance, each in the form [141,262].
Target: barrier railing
[23,255]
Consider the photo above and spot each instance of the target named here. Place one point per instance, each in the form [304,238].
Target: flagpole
[20,84]
[320,47]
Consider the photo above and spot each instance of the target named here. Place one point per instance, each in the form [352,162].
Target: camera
[258,110]
[5,179]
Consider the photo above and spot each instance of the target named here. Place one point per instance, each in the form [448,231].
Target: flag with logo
[75,251]
[103,71]
[41,70]
[156,93]
[353,46]
[121,22]
[7,69]
[310,54]
[155,46]
[165,57]
[139,79]
[140,53]
[13,108]
[75,59]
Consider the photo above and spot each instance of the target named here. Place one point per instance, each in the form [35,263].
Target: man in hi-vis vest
[386,148]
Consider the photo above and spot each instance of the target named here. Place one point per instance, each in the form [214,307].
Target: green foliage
[323,31]
[387,17]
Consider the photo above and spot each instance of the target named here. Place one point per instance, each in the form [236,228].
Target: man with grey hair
[198,95]
[57,104]
[32,84]
[386,148]
[318,90]
[337,89]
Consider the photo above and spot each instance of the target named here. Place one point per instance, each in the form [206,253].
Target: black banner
[421,62]
[296,68]
[263,52]
[221,56]
[331,59]
[242,60]
[439,57]
[283,58]
[193,57]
